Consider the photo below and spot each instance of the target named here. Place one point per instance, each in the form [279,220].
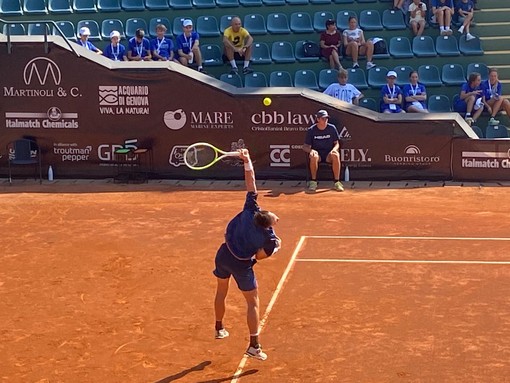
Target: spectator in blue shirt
[84,33]
[115,50]
[188,50]
[391,95]
[465,12]
[162,48]
[415,95]
[139,47]
[471,98]
[443,11]
[493,100]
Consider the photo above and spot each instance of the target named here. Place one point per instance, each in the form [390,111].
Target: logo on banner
[71,152]
[175,120]
[281,122]
[123,99]
[279,155]
[40,70]
[486,160]
[106,152]
[54,118]
[411,156]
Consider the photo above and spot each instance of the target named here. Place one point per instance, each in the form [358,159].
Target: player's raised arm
[249,173]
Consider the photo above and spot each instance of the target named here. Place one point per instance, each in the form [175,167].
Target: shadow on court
[182,374]
[229,378]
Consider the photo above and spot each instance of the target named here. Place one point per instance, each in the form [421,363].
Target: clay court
[401,282]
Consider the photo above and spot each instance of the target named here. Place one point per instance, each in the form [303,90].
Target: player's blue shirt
[466,7]
[244,238]
[88,45]
[322,140]
[414,90]
[162,47]
[115,53]
[139,49]
[490,91]
[186,43]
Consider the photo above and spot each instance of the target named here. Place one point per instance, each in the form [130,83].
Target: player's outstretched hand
[244,154]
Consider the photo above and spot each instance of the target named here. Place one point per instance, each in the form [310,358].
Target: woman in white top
[418,11]
[355,44]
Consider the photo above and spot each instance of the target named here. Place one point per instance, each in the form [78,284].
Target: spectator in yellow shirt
[237,43]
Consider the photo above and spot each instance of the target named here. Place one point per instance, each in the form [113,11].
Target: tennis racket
[202,155]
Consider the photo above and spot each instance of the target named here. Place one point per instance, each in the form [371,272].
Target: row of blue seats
[42,7]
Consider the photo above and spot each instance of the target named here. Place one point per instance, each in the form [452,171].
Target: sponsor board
[54,118]
[411,156]
[486,159]
[123,99]
[177,119]
[279,156]
[107,155]
[71,152]
[281,121]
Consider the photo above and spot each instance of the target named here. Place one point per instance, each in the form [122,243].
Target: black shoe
[234,71]
[201,70]
[247,70]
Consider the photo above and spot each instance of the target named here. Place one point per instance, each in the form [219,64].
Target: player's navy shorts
[323,155]
[242,271]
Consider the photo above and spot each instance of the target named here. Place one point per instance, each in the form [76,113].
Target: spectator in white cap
[84,33]
[188,50]
[162,47]
[139,47]
[391,95]
[115,50]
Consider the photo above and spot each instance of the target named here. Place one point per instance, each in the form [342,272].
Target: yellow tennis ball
[266,101]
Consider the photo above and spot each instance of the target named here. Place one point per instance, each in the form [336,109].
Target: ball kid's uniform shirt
[322,140]
[162,47]
[185,43]
[414,90]
[88,45]
[139,49]
[491,91]
[115,53]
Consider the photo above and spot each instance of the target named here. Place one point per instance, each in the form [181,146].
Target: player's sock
[246,64]
[219,325]
[233,63]
[337,180]
[254,341]
[314,179]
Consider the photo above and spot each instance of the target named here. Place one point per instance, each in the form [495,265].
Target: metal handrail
[47,23]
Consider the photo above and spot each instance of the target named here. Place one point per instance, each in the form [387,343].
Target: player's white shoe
[256,352]
[221,334]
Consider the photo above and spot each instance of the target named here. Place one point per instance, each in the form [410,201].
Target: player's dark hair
[263,219]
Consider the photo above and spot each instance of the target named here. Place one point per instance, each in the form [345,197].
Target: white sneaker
[256,352]
[221,334]
[370,65]
[469,37]
[493,121]
[461,29]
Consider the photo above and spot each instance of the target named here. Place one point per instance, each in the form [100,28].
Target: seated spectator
[443,11]
[188,50]
[465,12]
[391,95]
[418,13]
[470,99]
[84,33]
[139,47]
[322,143]
[162,48]
[355,44]
[415,95]
[492,96]
[237,46]
[115,51]
[401,5]
[344,91]
[330,42]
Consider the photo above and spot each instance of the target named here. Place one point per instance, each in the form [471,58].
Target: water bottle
[50,173]
[346,174]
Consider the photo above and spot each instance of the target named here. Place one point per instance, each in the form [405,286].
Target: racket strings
[201,155]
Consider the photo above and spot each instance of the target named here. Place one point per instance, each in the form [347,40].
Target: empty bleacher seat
[369,103]
[471,47]
[447,46]
[453,74]
[357,78]
[204,3]
[280,79]
[260,54]
[400,47]
[300,54]
[227,3]
[343,1]
[327,77]
[93,26]
[496,131]
[39,29]
[306,78]
[273,2]
[84,6]
[211,54]
[207,26]
[403,72]
[301,22]
[438,104]
[282,52]
[342,19]
[177,25]
[159,20]
[35,7]
[14,29]
[377,77]
[429,75]
[133,24]
[366,1]
[251,3]
[255,80]
[277,23]
[320,18]
[297,2]
[232,79]
[370,20]
[180,4]
[320,1]
[157,5]
[479,68]
[59,6]
[393,19]
[67,29]
[10,8]
[255,24]
[423,46]
[477,130]
[109,25]
[108,5]
[132,5]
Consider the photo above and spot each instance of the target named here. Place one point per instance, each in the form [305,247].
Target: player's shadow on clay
[201,367]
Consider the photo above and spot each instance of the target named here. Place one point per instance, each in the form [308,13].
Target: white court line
[277,291]
[403,237]
[338,260]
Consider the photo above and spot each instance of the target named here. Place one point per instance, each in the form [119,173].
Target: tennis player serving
[249,237]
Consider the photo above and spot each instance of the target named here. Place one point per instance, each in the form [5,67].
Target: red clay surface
[113,283]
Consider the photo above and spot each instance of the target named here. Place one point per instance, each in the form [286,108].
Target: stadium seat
[479,68]
[370,20]
[255,80]
[447,46]
[204,3]
[93,26]
[10,8]
[109,25]
[300,55]
[306,78]
[357,78]
[59,7]
[255,24]
[280,79]
[157,5]
[400,47]
[35,7]
[132,5]
[342,19]
[84,6]
[225,22]
[14,29]
[133,24]
[177,25]
[471,47]
[160,20]
[369,103]
[38,29]
[207,26]
[211,54]
[438,104]
[296,2]
[403,72]
[108,5]
[67,28]
[227,3]
[377,77]
[393,20]
[320,18]
[366,1]
[277,23]
[232,79]
[343,1]
[251,3]
[327,77]
[180,4]
[282,52]
[320,1]
[429,75]
[301,22]
[453,74]
[423,46]
[260,54]
[273,2]
[496,131]
[477,130]
[384,55]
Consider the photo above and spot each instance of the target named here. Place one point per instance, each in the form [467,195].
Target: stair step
[491,4]
[491,29]
[494,43]
[496,57]
[493,15]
